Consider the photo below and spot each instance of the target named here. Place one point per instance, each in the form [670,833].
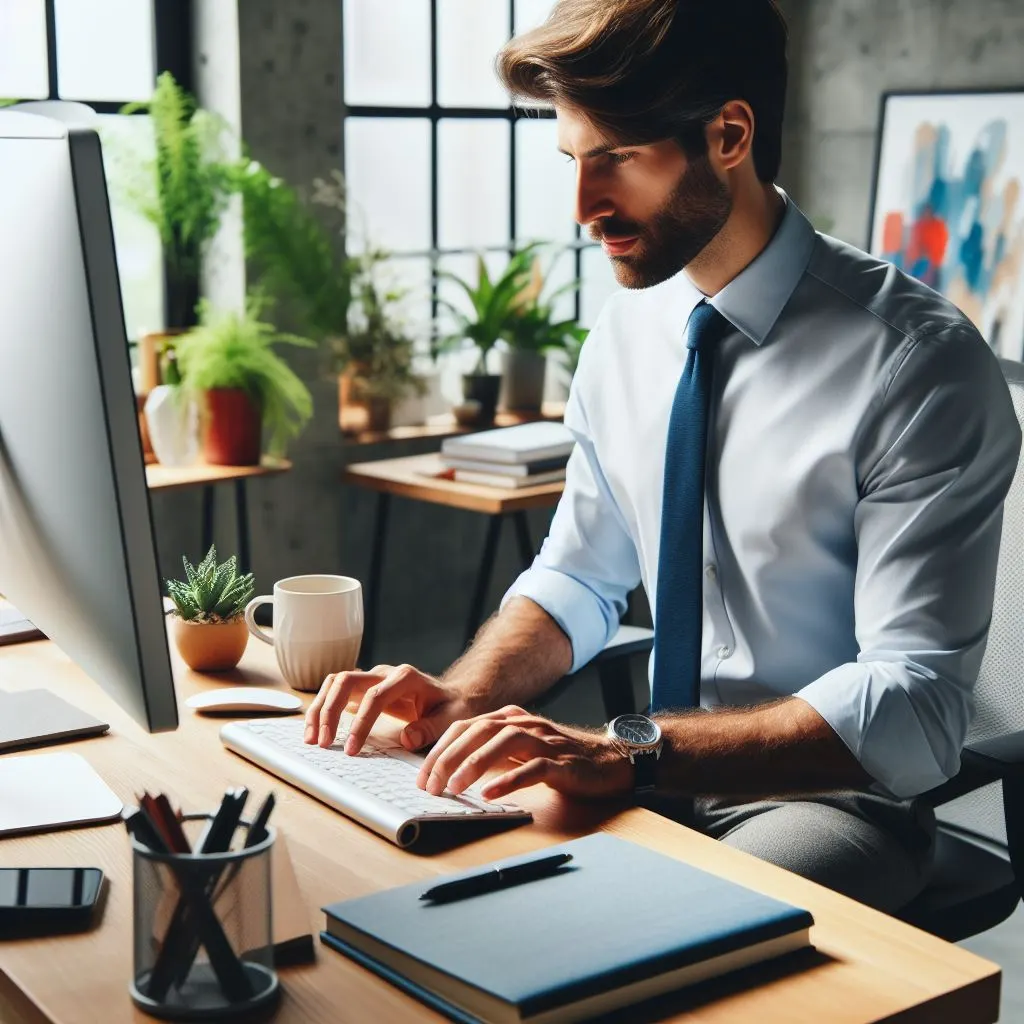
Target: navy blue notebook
[619,924]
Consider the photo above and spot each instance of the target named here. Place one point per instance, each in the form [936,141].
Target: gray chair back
[999,694]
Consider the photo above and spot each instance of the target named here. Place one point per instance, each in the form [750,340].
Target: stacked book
[523,456]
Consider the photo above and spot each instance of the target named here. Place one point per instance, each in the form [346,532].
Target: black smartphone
[41,901]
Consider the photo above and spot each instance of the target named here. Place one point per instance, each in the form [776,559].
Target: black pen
[258,829]
[496,878]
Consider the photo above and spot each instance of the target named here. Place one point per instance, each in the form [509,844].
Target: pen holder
[202,930]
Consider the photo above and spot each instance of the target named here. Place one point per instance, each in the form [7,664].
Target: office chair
[978,873]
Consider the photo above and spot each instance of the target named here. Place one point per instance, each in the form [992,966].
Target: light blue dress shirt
[860,445]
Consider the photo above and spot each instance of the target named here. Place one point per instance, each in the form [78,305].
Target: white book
[506,468]
[466,476]
[528,442]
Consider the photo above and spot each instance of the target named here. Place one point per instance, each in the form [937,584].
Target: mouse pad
[33,717]
[39,792]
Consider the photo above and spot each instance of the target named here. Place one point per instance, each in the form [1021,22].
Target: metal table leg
[526,548]
[207,540]
[483,579]
[242,521]
[373,584]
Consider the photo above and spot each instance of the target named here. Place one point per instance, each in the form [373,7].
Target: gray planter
[523,375]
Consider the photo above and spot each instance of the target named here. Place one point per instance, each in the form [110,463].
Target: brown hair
[645,70]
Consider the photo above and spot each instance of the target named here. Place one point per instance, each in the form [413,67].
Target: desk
[415,477]
[869,967]
[169,478]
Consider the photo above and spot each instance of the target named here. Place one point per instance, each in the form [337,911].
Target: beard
[692,215]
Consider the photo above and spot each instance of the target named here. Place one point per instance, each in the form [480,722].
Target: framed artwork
[947,203]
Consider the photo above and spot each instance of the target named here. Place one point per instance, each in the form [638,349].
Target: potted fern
[245,388]
[493,305]
[183,192]
[209,605]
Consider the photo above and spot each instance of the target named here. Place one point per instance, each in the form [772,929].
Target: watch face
[636,729]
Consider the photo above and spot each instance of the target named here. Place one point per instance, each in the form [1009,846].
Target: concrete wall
[845,53]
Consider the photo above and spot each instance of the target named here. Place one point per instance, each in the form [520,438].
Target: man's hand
[572,761]
[421,700]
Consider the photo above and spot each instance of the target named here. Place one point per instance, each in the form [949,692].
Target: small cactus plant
[212,593]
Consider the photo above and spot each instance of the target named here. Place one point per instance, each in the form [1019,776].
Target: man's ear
[731,135]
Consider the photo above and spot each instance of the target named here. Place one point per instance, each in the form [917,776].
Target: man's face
[652,209]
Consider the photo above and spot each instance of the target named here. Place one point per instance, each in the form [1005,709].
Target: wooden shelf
[166,478]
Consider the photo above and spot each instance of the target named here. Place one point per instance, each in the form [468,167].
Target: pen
[496,878]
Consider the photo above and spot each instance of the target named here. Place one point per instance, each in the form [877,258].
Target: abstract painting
[948,205]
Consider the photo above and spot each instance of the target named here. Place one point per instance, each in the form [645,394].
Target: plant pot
[173,424]
[482,388]
[232,428]
[150,347]
[359,411]
[523,376]
[211,647]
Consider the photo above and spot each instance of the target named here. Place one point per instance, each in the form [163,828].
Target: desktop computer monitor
[77,555]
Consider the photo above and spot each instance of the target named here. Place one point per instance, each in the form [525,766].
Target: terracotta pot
[208,647]
[232,427]
[358,411]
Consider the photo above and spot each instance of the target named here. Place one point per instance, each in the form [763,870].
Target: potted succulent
[209,605]
[245,388]
[493,306]
[532,332]
[374,355]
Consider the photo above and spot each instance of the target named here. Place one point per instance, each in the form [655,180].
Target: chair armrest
[999,756]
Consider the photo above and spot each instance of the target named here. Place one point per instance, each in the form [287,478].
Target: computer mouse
[244,698]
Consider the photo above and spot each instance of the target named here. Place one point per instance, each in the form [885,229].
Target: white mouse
[244,698]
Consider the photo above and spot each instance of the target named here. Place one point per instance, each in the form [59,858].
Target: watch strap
[645,763]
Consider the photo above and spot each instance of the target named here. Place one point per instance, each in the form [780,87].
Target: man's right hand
[426,703]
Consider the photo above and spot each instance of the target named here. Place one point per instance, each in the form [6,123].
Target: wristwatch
[641,739]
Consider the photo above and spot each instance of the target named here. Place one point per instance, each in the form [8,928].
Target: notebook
[465,476]
[14,627]
[507,468]
[619,924]
[529,442]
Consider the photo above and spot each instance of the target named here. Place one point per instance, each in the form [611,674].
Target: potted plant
[172,417]
[245,387]
[209,605]
[493,305]
[182,191]
[531,333]
[374,355]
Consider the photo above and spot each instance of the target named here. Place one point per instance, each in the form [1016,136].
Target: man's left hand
[573,761]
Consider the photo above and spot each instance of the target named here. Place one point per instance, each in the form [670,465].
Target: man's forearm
[517,655]
[782,747]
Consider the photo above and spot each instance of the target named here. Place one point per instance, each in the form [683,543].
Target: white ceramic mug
[318,627]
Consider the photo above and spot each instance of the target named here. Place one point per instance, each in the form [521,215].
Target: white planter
[173,423]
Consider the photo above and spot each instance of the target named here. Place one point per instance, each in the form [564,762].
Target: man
[799,451]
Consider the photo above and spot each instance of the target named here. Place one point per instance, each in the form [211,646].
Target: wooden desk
[171,478]
[868,966]
[415,477]
[437,426]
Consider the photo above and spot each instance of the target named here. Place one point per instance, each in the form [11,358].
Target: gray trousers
[874,849]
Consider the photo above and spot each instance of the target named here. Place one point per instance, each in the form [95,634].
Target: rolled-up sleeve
[588,563]
[935,463]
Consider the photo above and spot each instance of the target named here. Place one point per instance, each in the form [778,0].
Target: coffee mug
[318,627]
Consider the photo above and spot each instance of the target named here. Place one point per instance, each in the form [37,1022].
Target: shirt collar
[753,300]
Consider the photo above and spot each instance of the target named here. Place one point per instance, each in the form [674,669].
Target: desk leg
[207,519]
[483,579]
[526,548]
[242,521]
[373,585]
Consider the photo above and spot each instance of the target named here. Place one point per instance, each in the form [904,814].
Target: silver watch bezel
[654,747]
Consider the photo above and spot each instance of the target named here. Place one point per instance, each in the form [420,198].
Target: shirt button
[724,652]
[712,573]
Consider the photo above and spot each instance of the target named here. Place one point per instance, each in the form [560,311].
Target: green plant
[211,593]
[376,343]
[291,251]
[236,350]
[183,190]
[532,326]
[494,303]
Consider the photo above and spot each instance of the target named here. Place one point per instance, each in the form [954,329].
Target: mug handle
[250,618]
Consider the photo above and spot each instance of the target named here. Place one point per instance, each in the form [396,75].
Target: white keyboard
[377,787]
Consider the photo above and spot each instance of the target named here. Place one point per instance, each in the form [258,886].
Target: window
[104,53]
[438,165]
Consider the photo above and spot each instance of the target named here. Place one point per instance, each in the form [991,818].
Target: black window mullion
[51,49]
[434,186]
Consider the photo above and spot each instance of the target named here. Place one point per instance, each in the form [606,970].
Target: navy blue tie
[680,599]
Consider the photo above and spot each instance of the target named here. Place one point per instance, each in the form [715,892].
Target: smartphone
[41,901]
